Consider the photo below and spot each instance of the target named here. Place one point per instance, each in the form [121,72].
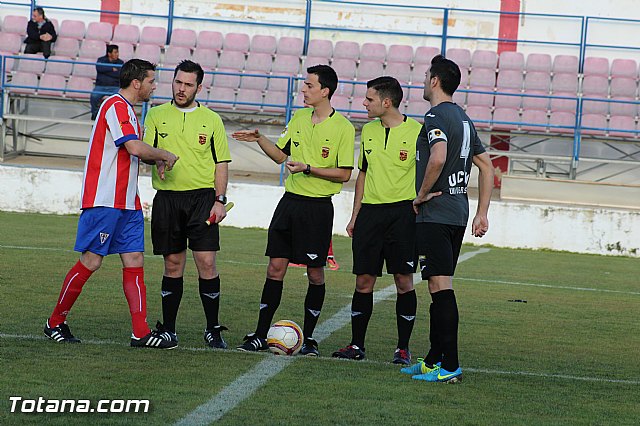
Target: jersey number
[466,141]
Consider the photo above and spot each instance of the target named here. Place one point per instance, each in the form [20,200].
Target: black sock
[312,307]
[269,302]
[435,351]
[210,297]
[171,297]
[448,326]
[406,306]
[361,309]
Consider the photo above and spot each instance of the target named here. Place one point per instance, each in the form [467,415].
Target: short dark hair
[190,66]
[40,11]
[134,69]
[326,76]
[447,72]
[387,87]
[112,47]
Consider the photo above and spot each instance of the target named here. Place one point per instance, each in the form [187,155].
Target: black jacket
[34,33]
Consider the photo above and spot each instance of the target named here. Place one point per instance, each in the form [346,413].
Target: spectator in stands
[40,33]
[107,79]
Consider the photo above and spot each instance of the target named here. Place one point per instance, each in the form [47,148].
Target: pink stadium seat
[594,124]
[595,86]
[252,97]
[207,81]
[149,52]
[263,44]
[345,68]
[624,68]
[418,74]
[618,124]
[59,68]
[221,98]
[424,54]
[99,31]
[629,108]
[231,80]
[368,70]
[286,64]
[537,80]
[484,59]
[373,52]
[91,49]
[162,94]
[482,77]
[254,82]
[126,51]
[320,48]
[596,66]
[505,119]
[85,67]
[259,62]
[65,46]
[127,33]
[481,116]
[565,64]
[346,50]
[538,103]
[290,46]
[10,42]
[340,103]
[183,37]
[206,57]
[83,85]
[210,40]
[153,35]
[173,55]
[358,111]
[566,105]
[279,84]
[164,75]
[462,57]
[417,109]
[623,87]
[15,24]
[534,120]
[562,122]
[511,61]
[310,61]
[27,79]
[509,79]
[460,98]
[399,70]
[238,42]
[540,62]
[8,62]
[277,98]
[415,93]
[505,98]
[231,59]
[33,63]
[400,53]
[480,99]
[565,82]
[52,85]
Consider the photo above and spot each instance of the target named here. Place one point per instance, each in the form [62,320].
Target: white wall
[515,225]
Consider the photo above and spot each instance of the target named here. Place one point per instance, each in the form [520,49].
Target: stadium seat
[594,124]
[99,31]
[231,59]
[534,121]
[484,59]
[52,85]
[263,44]
[79,87]
[10,42]
[221,98]
[59,68]
[231,80]
[277,99]
[249,100]
[258,62]
[539,62]
[206,57]
[173,55]
[290,46]
[400,53]
[596,87]
[462,57]
[310,61]
[162,94]
[127,33]
[65,46]
[424,54]
[623,89]
[565,64]
[345,68]
[15,24]
[9,63]
[509,83]
[475,98]
[91,48]
[562,122]
[164,75]
[565,82]
[482,77]
[149,52]
[627,68]
[154,36]
[33,63]
[210,40]
[537,80]
[238,42]
[27,79]
[537,100]
[415,93]
[286,64]
[374,52]
[511,61]
[358,111]
[254,82]
[183,38]
[481,80]
[418,73]
[622,126]
[126,51]
[481,116]
[368,70]
[320,48]
[509,79]
[346,50]
[567,105]
[417,109]
[401,71]
[340,103]
[594,66]
[85,67]
[505,119]
[207,80]
[460,98]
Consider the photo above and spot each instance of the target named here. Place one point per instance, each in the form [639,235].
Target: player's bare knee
[277,269]
[365,283]
[315,275]
[404,283]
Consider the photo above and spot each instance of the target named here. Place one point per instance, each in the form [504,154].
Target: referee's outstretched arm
[265,144]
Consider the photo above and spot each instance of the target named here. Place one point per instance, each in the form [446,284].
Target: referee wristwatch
[222,199]
[307,171]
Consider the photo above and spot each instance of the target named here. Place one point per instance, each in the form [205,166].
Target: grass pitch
[569,355]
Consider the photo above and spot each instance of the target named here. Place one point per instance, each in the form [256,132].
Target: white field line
[384,364]
[563,287]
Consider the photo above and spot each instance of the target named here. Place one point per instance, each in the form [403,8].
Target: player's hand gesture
[480,226]
[423,199]
[160,168]
[296,166]
[246,135]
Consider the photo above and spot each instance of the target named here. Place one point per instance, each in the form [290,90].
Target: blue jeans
[98,93]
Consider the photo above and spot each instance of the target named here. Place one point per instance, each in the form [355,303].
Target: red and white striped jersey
[110,172]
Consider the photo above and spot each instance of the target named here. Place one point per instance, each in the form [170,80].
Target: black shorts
[178,216]
[300,230]
[384,233]
[440,244]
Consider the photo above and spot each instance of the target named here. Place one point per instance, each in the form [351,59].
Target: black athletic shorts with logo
[384,233]
[301,229]
[440,245]
[178,216]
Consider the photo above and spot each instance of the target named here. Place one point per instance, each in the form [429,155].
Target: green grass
[552,360]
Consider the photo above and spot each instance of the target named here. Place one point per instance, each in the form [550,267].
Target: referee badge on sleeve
[437,134]
[202,138]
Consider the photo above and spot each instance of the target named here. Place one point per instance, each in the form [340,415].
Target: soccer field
[569,355]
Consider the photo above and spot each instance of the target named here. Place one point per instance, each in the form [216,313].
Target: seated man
[40,33]
[107,79]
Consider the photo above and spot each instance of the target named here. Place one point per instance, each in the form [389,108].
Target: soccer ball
[285,338]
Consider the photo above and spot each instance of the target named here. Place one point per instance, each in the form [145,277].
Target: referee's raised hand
[246,135]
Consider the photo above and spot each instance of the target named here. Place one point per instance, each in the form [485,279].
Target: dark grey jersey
[447,123]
